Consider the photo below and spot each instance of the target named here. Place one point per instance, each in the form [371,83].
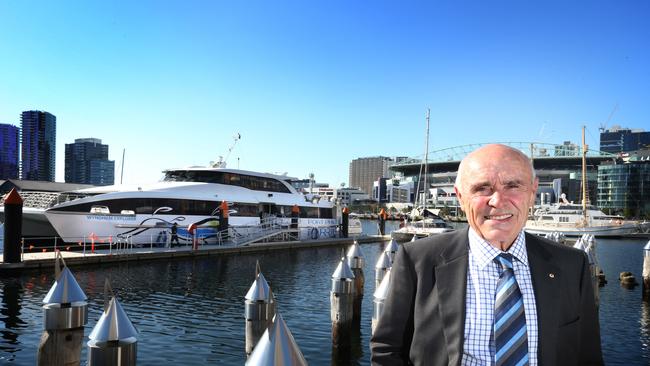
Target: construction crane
[603,126]
[221,163]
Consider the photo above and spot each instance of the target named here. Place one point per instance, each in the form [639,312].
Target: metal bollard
[587,243]
[277,347]
[378,301]
[391,249]
[646,272]
[113,339]
[341,300]
[259,310]
[382,266]
[356,261]
[65,314]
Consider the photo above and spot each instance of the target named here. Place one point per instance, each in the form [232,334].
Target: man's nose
[495,198]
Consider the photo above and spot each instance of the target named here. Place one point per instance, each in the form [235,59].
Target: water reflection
[645,330]
[12,294]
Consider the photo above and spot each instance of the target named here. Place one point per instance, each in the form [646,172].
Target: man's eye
[483,190]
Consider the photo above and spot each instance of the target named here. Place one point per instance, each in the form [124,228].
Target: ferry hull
[156,229]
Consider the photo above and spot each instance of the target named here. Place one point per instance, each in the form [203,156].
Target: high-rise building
[86,162]
[365,171]
[624,188]
[617,139]
[38,146]
[9,151]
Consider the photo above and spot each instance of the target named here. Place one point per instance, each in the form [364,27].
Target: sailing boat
[424,222]
[575,220]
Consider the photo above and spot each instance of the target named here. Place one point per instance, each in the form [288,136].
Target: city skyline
[311,87]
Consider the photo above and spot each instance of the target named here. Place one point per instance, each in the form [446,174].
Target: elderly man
[490,294]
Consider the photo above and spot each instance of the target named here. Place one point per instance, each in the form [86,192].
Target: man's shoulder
[451,243]
[553,248]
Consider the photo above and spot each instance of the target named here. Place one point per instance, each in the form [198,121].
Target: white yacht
[191,197]
[572,221]
[575,220]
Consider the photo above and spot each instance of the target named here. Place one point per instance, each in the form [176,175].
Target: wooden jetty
[73,258]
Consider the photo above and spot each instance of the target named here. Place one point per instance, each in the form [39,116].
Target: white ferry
[192,197]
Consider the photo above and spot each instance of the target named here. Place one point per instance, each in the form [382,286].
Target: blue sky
[312,85]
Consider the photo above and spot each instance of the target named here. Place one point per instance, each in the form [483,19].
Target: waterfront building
[363,172]
[38,156]
[618,140]
[624,187]
[86,162]
[9,141]
[307,185]
[394,190]
[558,167]
[349,195]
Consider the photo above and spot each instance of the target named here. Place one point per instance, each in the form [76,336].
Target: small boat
[426,223]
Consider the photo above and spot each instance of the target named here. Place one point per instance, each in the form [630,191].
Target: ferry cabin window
[325,213]
[309,212]
[240,180]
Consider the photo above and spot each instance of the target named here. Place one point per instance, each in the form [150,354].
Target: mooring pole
[341,301]
[65,313]
[259,309]
[13,227]
[356,262]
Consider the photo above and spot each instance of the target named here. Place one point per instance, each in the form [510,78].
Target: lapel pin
[552,275]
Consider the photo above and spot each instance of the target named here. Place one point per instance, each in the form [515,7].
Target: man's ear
[459,196]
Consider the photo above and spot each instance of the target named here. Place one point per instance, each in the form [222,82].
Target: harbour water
[190,312]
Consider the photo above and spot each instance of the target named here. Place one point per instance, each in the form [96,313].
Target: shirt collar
[484,253]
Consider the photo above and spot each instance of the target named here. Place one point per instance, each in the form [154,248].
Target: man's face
[495,193]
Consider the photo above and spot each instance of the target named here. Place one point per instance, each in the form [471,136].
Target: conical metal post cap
[113,325]
[65,290]
[382,291]
[383,262]
[355,256]
[392,246]
[343,271]
[276,347]
[259,290]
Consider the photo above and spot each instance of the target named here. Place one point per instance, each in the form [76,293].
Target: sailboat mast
[426,160]
[584,176]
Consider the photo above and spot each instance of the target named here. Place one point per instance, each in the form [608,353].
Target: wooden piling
[13,205]
[345,222]
[60,347]
[382,222]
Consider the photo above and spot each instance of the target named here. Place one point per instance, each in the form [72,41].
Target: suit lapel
[544,275]
[451,285]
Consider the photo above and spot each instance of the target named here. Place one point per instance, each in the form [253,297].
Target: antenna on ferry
[221,163]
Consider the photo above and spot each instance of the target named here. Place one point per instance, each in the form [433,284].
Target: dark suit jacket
[423,319]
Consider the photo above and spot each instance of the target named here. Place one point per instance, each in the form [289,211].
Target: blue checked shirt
[482,278]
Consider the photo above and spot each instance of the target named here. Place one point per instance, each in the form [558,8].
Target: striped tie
[510,336]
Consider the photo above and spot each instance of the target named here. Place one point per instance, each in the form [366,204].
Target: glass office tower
[38,145]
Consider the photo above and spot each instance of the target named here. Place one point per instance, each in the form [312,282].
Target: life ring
[314,233]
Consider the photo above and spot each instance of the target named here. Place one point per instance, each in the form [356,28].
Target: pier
[39,260]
